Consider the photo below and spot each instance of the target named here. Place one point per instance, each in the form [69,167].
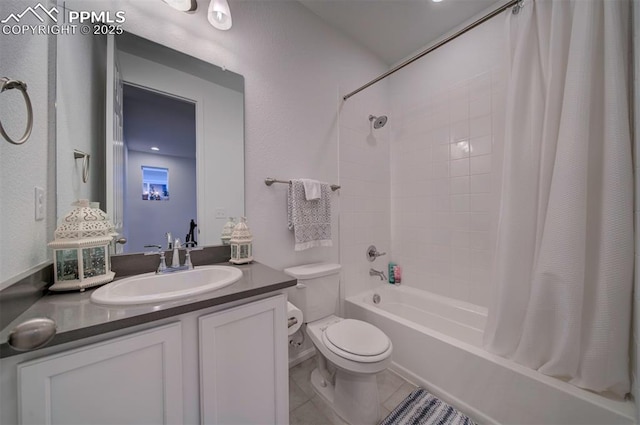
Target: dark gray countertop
[77,317]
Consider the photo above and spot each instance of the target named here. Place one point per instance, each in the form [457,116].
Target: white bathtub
[437,343]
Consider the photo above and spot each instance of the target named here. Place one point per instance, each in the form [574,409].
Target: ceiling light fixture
[182,5]
[436,1]
[219,14]
[155,148]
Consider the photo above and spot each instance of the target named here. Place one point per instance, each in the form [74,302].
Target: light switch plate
[221,213]
[39,203]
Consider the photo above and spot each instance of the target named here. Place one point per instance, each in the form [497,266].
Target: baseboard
[302,356]
[459,404]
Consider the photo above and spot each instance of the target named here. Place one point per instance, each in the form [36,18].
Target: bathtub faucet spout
[380,274]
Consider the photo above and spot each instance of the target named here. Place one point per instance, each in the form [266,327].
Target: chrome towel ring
[8,84]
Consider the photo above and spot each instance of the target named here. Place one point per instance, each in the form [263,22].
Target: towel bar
[270,180]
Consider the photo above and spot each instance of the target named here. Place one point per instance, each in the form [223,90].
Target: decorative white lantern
[81,249]
[227,230]
[241,247]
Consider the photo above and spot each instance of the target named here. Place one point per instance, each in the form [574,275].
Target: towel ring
[8,84]
[85,163]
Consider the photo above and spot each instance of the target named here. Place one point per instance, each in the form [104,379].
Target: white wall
[148,221]
[24,240]
[446,149]
[80,110]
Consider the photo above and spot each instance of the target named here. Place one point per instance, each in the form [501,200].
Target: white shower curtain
[564,260]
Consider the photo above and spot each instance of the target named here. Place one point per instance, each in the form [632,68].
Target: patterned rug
[422,408]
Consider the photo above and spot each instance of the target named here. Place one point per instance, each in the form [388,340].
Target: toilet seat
[345,361]
[357,340]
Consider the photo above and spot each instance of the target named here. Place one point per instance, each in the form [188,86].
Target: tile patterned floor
[307,408]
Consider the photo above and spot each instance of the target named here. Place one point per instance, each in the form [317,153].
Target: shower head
[378,122]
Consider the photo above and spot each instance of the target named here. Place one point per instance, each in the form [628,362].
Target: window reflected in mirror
[155,184]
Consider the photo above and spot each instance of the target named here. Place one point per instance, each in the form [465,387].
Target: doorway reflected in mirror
[159,132]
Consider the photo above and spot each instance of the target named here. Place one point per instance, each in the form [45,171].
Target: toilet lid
[357,337]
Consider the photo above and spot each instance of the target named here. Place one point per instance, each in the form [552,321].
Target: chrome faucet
[380,274]
[187,256]
[162,267]
[175,261]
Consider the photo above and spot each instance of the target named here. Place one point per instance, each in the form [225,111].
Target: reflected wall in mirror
[117,98]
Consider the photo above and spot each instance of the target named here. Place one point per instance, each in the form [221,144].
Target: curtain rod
[516,4]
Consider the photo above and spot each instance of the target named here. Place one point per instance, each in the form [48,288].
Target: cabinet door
[136,379]
[243,364]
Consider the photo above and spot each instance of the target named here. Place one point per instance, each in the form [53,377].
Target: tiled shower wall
[446,152]
[365,210]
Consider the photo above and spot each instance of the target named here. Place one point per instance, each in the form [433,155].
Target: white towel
[309,220]
[312,189]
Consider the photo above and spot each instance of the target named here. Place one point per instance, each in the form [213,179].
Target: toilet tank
[318,290]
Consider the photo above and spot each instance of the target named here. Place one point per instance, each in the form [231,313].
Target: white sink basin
[155,288]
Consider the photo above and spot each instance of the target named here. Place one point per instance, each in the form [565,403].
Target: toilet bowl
[350,352]
[358,351]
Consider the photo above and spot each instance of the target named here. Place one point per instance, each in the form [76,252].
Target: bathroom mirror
[135,105]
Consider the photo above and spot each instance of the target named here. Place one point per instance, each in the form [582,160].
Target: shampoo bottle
[397,274]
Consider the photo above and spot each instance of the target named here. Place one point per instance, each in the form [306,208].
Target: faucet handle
[158,247]
[187,257]
[163,265]
[372,253]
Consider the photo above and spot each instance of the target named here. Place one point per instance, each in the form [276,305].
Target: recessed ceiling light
[436,1]
[182,5]
[155,148]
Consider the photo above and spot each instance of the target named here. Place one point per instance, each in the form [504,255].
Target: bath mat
[422,408]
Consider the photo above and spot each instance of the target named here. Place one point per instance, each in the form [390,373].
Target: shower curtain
[564,259]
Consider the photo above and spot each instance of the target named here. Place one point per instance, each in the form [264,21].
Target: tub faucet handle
[372,253]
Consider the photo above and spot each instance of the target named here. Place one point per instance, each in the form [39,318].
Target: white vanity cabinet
[243,364]
[132,379]
[221,365]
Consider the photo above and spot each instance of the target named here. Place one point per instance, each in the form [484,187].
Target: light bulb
[219,14]
[182,5]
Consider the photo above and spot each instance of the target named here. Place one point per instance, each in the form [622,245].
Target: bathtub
[437,343]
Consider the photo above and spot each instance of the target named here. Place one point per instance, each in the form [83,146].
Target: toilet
[350,352]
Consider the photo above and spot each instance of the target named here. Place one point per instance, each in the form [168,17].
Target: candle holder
[241,243]
[81,249]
